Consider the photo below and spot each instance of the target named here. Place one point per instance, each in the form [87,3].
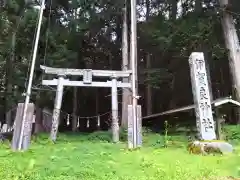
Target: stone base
[210,147]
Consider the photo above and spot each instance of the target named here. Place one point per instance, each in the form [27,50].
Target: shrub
[232,132]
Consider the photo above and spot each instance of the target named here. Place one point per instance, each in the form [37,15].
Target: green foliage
[107,136]
[232,133]
[186,35]
[70,40]
[74,156]
[156,77]
[66,39]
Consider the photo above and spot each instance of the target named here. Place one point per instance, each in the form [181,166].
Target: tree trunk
[148,66]
[148,88]
[97,125]
[75,106]
[38,121]
[172,101]
[173,13]
[173,16]
[198,6]
[207,64]
[232,44]
[125,66]
[9,82]
[74,119]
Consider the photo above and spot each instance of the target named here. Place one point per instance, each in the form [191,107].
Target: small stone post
[26,139]
[138,131]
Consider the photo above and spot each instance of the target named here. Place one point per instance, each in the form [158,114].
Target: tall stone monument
[201,96]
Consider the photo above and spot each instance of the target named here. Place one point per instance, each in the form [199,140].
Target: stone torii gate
[87,81]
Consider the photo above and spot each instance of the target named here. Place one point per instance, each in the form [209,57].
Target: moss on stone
[201,147]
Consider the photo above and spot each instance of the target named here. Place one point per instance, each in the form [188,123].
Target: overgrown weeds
[92,156]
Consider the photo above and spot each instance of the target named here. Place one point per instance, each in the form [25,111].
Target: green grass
[92,157]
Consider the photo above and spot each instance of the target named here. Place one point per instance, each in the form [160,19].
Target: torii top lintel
[80,72]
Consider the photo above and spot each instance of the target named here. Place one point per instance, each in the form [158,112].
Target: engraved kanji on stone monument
[201,95]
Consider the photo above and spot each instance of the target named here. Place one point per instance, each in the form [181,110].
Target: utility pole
[134,69]
[29,87]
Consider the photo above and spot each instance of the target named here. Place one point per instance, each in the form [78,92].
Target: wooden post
[138,130]
[115,123]
[57,108]
[27,127]
[201,96]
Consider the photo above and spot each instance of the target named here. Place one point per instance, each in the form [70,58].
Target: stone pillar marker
[27,127]
[201,97]
[138,131]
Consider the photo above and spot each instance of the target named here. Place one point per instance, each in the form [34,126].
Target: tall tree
[232,44]
[148,66]
[75,89]
[198,6]
[173,16]
[9,81]
[125,66]
[173,9]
